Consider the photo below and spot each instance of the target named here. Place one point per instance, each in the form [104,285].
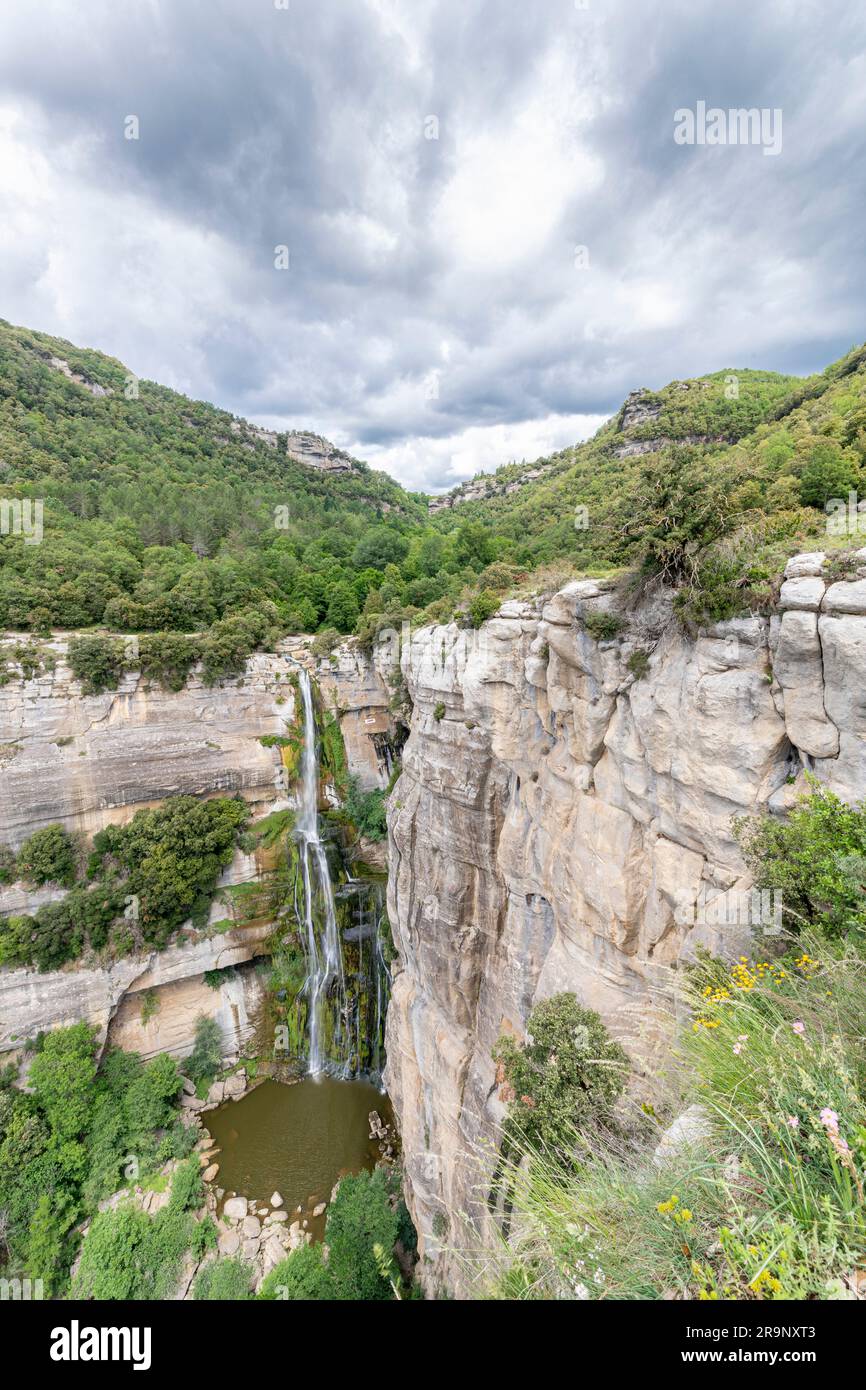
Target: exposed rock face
[562,825]
[88,761]
[488,485]
[113,999]
[318,453]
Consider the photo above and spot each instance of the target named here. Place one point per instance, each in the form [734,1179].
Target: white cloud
[475,450]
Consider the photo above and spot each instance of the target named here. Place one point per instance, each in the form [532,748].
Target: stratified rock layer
[560,824]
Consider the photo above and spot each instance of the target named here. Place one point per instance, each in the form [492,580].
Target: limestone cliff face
[87,761]
[562,819]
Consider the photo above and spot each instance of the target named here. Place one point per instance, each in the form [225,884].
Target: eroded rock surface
[564,811]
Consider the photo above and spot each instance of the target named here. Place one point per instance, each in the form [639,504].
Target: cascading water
[336,1012]
[324,956]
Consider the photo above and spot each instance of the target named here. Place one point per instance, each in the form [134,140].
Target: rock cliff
[87,761]
[563,820]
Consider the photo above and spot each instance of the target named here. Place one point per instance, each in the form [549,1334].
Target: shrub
[204,1061]
[129,1255]
[172,856]
[360,1218]
[366,810]
[7,865]
[302,1276]
[482,607]
[770,1205]
[816,860]
[168,657]
[567,1073]
[48,856]
[638,663]
[96,661]
[61,1076]
[222,1280]
[439,711]
[601,625]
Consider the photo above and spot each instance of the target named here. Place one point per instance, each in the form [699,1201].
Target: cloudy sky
[492,234]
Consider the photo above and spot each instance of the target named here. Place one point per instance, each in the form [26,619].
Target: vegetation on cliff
[165,516]
[761,1195]
[73,1138]
[143,880]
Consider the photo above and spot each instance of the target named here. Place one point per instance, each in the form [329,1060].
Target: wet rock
[320,1209]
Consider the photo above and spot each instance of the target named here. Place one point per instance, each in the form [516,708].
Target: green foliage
[482,607]
[159,514]
[168,657]
[767,1202]
[602,625]
[48,1245]
[366,811]
[360,1217]
[568,1073]
[187,1188]
[171,857]
[61,1077]
[73,1139]
[48,856]
[638,663]
[816,859]
[96,661]
[8,870]
[303,1275]
[161,511]
[129,1255]
[439,711]
[227,1279]
[204,1061]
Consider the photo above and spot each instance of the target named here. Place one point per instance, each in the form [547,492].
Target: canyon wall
[86,761]
[563,822]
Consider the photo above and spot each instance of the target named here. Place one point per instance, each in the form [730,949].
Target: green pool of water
[296,1140]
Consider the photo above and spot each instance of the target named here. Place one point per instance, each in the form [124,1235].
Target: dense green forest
[167,516]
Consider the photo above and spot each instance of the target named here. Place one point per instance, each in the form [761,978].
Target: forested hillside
[165,515]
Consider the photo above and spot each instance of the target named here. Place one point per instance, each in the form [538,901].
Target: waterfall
[337,1013]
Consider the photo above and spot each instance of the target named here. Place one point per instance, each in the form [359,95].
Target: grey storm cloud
[435,316]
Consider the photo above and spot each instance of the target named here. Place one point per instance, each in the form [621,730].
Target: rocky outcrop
[315,452]
[147,1004]
[87,761]
[563,822]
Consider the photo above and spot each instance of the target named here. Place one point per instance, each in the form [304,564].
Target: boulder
[229,1243]
[689,1130]
[235,1085]
[236,1208]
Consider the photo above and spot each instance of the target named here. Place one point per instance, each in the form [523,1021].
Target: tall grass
[768,1203]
